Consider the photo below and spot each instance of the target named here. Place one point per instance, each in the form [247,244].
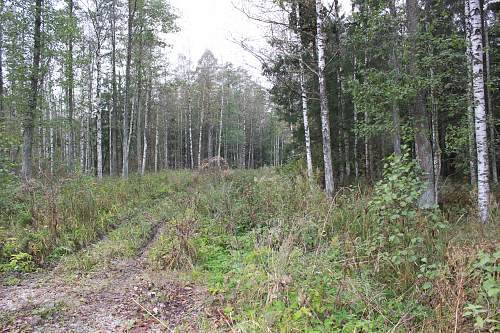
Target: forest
[351,185]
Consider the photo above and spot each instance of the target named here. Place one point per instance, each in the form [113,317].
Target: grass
[279,256]
[52,220]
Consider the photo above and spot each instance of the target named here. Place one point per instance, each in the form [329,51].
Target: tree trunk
[145,145]
[422,121]
[190,133]
[219,143]
[51,141]
[243,155]
[491,110]
[113,160]
[210,140]
[82,142]
[483,174]
[157,139]
[71,94]
[396,122]
[29,119]
[166,140]
[99,111]
[304,100]
[201,128]
[2,115]
[435,142]
[355,120]
[325,118]
[126,138]
[138,127]
[470,101]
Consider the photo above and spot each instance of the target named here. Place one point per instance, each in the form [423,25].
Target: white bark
[157,139]
[145,138]
[166,139]
[99,115]
[82,143]
[325,119]
[491,118]
[51,140]
[480,122]
[220,124]
[201,130]
[355,119]
[190,134]
[303,97]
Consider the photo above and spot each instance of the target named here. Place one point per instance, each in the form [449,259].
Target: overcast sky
[214,24]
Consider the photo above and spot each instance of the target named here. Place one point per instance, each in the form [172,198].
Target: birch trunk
[483,174]
[126,137]
[113,160]
[71,95]
[157,139]
[99,111]
[145,145]
[51,141]
[166,140]
[491,110]
[304,100]
[219,143]
[325,119]
[355,119]
[201,128]
[82,142]
[190,134]
[210,140]
[243,155]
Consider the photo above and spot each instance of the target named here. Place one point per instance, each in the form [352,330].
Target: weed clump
[175,248]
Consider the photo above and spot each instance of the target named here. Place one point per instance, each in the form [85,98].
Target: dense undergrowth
[277,255]
[280,257]
[45,220]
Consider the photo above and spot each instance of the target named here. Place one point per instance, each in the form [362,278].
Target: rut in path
[115,298]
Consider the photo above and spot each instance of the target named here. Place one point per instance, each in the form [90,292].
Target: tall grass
[280,256]
[52,218]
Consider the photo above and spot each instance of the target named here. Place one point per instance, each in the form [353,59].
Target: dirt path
[121,296]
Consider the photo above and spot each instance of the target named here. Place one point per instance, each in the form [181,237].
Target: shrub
[396,195]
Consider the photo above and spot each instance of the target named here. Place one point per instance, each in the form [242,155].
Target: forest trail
[116,297]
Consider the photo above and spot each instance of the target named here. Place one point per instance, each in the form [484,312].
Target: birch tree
[325,118]
[480,120]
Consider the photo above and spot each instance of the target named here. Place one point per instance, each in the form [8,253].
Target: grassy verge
[281,257]
[47,221]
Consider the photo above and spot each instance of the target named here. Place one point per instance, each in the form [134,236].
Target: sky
[216,25]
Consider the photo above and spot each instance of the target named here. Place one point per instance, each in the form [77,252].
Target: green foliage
[396,195]
[19,262]
[484,311]
[278,256]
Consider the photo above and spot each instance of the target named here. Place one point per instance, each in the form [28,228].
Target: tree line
[390,76]
[89,86]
